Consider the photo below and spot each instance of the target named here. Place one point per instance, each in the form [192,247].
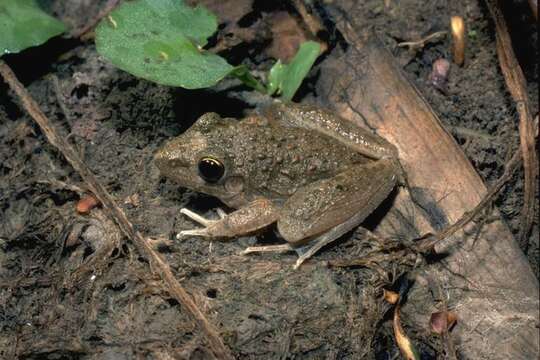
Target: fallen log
[486,278]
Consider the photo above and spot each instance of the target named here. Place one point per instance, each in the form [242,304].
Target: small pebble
[86,204]
[439,75]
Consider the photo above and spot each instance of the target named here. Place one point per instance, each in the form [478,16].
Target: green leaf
[23,24]
[275,78]
[285,79]
[161,41]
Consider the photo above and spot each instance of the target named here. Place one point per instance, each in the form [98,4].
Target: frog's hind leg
[306,251]
[325,210]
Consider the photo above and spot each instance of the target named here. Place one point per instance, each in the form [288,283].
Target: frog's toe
[299,262]
[221,213]
[195,232]
[267,248]
[196,217]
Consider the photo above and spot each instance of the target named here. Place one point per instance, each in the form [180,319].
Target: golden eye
[211,169]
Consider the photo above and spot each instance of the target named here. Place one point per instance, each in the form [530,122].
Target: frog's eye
[211,169]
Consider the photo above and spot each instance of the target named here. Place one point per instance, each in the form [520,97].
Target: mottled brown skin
[315,174]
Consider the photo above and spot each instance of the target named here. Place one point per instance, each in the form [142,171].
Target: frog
[311,173]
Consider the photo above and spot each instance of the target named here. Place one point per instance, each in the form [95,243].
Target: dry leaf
[403,341]
[390,296]
[441,321]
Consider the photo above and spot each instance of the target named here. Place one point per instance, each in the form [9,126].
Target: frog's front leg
[250,218]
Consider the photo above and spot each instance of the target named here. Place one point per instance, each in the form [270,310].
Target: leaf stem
[242,73]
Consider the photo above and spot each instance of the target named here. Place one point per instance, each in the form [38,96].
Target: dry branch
[517,86]
[143,245]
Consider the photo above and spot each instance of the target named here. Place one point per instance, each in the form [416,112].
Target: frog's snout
[171,157]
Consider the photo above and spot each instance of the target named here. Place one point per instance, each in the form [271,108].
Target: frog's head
[198,160]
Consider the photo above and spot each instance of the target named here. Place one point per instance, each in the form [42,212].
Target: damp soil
[72,287]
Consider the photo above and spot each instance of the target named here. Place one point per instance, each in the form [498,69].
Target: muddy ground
[71,287]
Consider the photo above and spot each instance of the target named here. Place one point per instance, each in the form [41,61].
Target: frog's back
[276,160]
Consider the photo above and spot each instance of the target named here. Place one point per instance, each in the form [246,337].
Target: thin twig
[143,245]
[428,243]
[109,6]
[517,86]
[418,44]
